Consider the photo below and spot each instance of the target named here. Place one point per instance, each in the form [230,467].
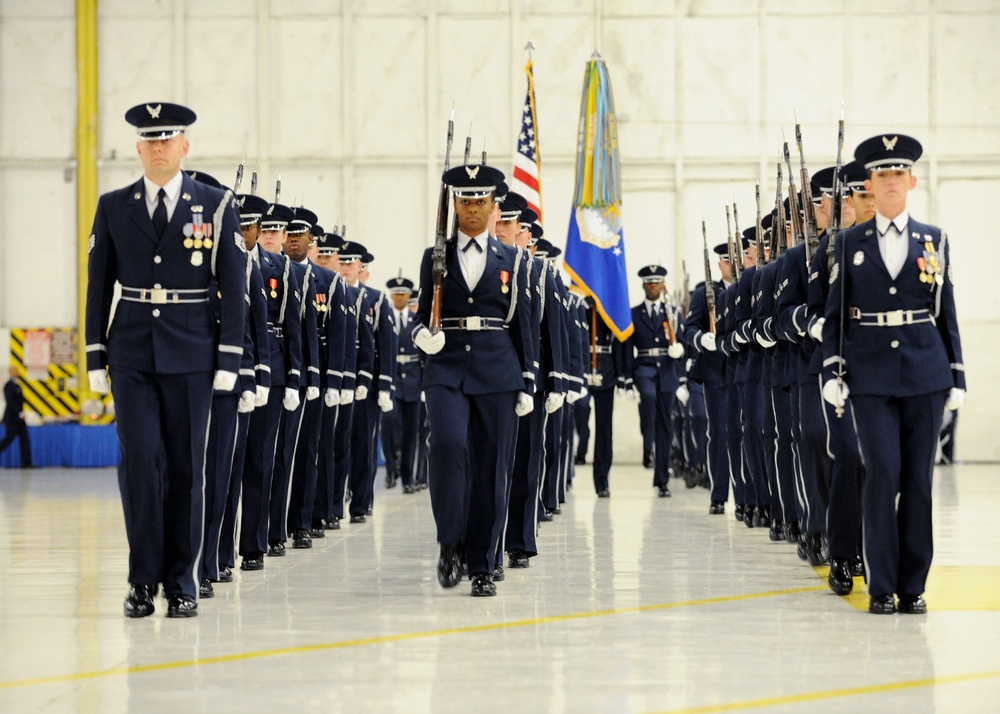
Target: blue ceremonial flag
[595,248]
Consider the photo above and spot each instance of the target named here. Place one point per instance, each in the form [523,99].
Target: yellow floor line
[383,639]
[834,693]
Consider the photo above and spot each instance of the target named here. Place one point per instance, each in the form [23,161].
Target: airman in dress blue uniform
[401,425]
[900,364]
[477,379]
[166,239]
[657,370]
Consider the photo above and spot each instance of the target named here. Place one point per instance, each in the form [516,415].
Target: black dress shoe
[358,519]
[276,549]
[369,511]
[254,561]
[664,491]
[604,493]
[777,530]
[331,524]
[317,532]
[557,511]
[763,517]
[580,460]
[912,605]
[518,559]
[409,488]
[498,575]
[857,566]
[449,567]
[182,606]
[717,508]
[840,579]
[205,589]
[647,459]
[882,605]
[792,532]
[139,601]
[738,513]
[225,574]
[545,515]
[750,516]
[814,549]
[302,539]
[482,586]
[390,480]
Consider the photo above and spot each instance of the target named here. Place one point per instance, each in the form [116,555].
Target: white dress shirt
[472,261]
[652,308]
[172,189]
[401,318]
[892,241]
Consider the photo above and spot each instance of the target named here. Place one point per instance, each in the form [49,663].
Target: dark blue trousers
[734,418]
[784,457]
[523,503]
[717,443]
[800,490]
[552,477]
[400,434]
[581,420]
[471,438]
[898,437]
[815,458]
[752,401]
[258,473]
[342,457]
[218,471]
[696,426]
[843,515]
[284,463]
[771,452]
[227,537]
[604,409]
[325,465]
[362,433]
[302,495]
[162,424]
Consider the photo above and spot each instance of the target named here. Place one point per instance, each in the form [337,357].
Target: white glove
[360,393]
[385,401]
[682,395]
[632,395]
[620,392]
[312,393]
[553,401]
[525,404]
[956,398]
[246,404]
[571,397]
[260,398]
[332,397]
[675,351]
[584,392]
[763,341]
[291,400]
[346,397]
[834,393]
[423,397]
[708,342]
[816,329]
[99,381]
[430,344]
[740,338]
[224,381]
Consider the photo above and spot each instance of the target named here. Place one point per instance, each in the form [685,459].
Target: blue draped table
[71,445]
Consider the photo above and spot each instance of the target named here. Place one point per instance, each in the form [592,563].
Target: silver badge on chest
[859,258]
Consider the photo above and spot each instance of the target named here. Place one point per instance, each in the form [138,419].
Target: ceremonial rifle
[438,253]
[253,183]
[465,162]
[277,189]
[762,248]
[832,255]
[798,230]
[239,176]
[709,284]
[738,237]
[735,267]
[808,209]
[595,379]
[685,300]
[780,231]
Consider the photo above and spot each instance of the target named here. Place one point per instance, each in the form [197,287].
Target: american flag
[527,179]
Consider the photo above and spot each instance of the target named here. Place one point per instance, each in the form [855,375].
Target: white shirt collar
[171,187]
[482,239]
[900,221]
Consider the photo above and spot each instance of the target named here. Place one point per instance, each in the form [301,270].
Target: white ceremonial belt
[895,318]
[164,296]
[473,323]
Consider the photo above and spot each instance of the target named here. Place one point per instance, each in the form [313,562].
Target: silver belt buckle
[473,323]
[894,318]
[158,296]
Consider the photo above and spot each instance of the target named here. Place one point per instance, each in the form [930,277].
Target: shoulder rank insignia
[835,271]
[91,243]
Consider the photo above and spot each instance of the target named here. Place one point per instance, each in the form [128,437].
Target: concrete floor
[636,604]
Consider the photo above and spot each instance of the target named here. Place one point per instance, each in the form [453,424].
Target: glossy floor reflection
[637,604]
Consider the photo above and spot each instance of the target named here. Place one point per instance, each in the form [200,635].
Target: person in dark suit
[892,302]
[477,379]
[167,240]
[656,368]
[401,425]
[13,419]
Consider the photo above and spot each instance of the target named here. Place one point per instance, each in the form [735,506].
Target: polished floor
[637,604]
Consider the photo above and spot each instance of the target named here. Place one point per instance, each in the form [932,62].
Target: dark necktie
[472,242]
[160,214]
